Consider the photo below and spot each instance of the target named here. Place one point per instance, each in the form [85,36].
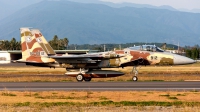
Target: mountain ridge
[93,23]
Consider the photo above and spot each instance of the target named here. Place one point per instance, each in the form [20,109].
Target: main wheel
[134,78]
[79,77]
[87,79]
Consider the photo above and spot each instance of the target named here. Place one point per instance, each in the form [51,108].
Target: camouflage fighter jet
[36,51]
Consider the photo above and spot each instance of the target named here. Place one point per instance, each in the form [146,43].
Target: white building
[5,57]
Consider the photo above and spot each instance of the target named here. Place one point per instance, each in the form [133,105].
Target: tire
[79,77]
[135,78]
[88,79]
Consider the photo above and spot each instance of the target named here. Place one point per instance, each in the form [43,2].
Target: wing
[77,58]
[74,56]
[84,58]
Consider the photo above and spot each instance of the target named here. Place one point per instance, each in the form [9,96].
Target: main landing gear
[80,78]
[79,74]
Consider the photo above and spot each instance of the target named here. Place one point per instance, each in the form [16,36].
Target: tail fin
[35,47]
[42,42]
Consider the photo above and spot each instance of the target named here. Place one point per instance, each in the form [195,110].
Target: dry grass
[28,70]
[83,101]
[11,97]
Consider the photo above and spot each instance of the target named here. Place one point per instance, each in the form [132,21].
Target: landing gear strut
[135,78]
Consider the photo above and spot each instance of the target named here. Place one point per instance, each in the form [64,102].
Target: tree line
[10,45]
[192,52]
[13,44]
[62,44]
[59,44]
[108,47]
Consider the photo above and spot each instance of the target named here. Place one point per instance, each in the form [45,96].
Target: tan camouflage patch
[34,46]
[161,59]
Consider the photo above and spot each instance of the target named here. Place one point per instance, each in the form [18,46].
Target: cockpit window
[151,48]
[159,49]
[136,48]
[148,48]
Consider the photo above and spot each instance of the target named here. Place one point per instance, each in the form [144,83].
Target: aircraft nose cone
[181,60]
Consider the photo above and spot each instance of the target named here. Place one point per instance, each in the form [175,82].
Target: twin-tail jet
[36,51]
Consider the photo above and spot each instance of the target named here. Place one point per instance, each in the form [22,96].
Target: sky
[178,4]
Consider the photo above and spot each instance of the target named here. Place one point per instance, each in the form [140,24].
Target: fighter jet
[36,51]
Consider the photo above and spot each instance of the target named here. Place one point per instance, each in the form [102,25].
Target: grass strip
[111,103]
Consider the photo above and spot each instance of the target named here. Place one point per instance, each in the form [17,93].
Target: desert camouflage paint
[35,47]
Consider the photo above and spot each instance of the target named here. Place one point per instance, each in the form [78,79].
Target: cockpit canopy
[151,48]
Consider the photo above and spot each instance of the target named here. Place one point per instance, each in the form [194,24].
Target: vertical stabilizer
[34,47]
[42,42]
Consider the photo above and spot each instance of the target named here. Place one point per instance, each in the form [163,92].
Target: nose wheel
[135,78]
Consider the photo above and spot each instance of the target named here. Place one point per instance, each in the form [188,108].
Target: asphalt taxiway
[101,86]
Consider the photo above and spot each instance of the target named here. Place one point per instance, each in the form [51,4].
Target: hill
[8,7]
[85,23]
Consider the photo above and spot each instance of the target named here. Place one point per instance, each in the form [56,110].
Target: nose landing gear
[135,78]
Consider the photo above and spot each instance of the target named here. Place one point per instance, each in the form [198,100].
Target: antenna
[178,46]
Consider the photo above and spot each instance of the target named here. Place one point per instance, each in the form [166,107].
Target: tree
[54,42]
[195,53]
[188,53]
[13,43]
[65,42]
[18,45]
[5,45]
[58,44]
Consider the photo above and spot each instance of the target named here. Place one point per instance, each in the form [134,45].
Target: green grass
[181,94]
[103,98]
[22,104]
[155,80]
[170,97]
[69,97]
[108,103]
[173,98]
[194,91]
[54,97]
[54,93]
[36,94]
[8,94]
[167,95]
[37,81]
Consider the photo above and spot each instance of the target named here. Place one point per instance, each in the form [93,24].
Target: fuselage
[132,56]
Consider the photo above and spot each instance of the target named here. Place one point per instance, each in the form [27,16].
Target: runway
[100,86]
